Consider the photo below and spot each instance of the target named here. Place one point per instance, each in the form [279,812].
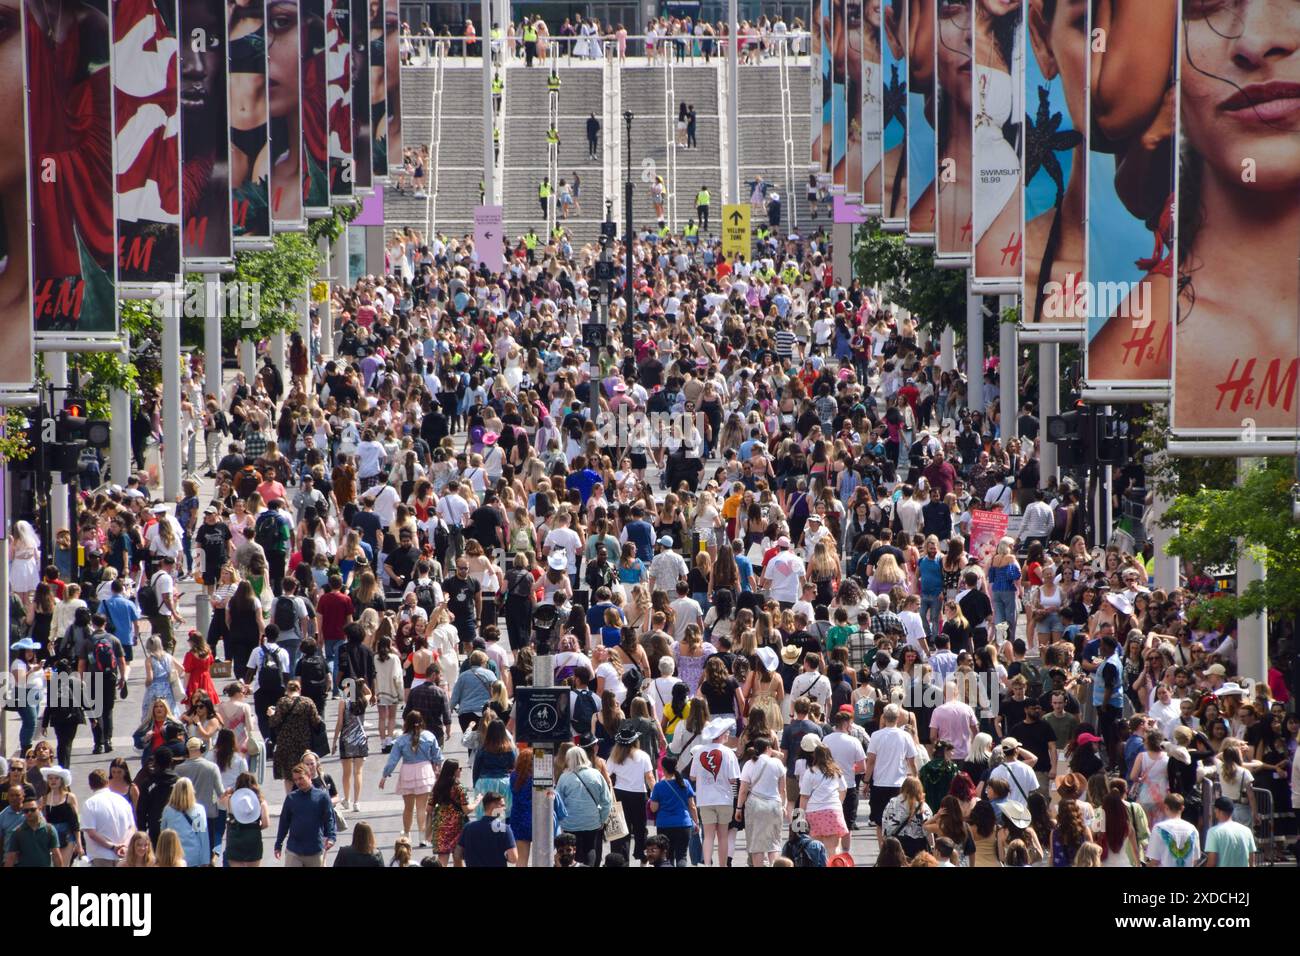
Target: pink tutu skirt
[416,778]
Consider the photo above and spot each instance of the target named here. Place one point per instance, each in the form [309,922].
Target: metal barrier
[423,51]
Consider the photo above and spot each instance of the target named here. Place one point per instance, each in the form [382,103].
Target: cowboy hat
[245,807]
[768,657]
[718,728]
[1017,813]
[790,653]
[60,772]
[558,561]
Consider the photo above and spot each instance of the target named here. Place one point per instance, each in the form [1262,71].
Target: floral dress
[448,820]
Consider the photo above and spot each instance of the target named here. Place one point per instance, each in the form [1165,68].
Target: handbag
[178,688]
[616,827]
[320,741]
[222,669]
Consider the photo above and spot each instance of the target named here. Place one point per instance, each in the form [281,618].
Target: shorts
[880,797]
[638,460]
[717,816]
[1049,623]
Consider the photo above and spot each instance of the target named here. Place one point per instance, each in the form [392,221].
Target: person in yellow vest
[530,244]
[691,232]
[495,36]
[530,42]
[498,88]
[553,83]
[544,194]
[663,232]
[702,207]
[557,234]
[553,137]
[496,144]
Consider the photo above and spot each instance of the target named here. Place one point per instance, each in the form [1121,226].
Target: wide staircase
[762,148]
[526,160]
[458,132]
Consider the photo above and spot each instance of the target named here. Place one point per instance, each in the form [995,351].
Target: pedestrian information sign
[735,230]
[543,715]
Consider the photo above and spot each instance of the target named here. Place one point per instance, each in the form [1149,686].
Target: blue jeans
[1004,609]
[931,606]
[216,830]
[291,645]
[332,649]
[27,725]
[703,600]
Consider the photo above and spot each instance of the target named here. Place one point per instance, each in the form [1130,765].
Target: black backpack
[147,597]
[313,674]
[585,708]
[270,675]
[267,533]
[285,615]
[424,597]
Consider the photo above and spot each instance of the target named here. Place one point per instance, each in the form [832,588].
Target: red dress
[197,668]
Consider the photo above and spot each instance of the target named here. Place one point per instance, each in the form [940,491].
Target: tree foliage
[1219,526]
[280,276]
[1179,476]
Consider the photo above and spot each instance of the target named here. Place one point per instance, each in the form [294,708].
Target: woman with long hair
[163,675]
[494,759]
[632,772]
[247,817]
[905,816]
[448,811]
[188,822]
[351,742]
[822,788]
[244,625]
[139,851]
[418,752]
[1070,834]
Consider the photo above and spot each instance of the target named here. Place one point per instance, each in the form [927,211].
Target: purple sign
[848,212]
[372,210]
[487,237]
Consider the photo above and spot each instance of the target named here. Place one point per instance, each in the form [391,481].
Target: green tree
[1219,526]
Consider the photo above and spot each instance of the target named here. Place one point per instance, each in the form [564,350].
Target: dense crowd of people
[748,534]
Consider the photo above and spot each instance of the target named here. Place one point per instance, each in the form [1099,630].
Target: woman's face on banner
[920,29]
[872,8]
[282,58]
[13,162]
[1241,88]
[999,8]
[955,53]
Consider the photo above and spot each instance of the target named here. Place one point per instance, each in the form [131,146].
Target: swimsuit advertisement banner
[998,144]
[250,146]
[872,110]
[920,121]
[953,64]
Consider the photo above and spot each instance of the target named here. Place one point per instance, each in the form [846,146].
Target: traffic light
[1070,432]
[75,426]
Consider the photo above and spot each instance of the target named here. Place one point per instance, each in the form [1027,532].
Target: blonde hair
[888,571]
[170,854]
[182,796]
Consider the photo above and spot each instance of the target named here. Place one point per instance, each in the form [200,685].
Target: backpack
[247,481]
[147,597]
[313,674]
[803,852]
[105,658]
[270,675]
[424,597]
[285,614]
[267,533]
[1033,672]
[584,709]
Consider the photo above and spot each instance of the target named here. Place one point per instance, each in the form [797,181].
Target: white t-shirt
[892,747]
[686,611]
[386,501]
[812,685]
[823,792]
[713,768]
[660,693]
[255,662]
[567,539]
[1016,772]
[1174,843]
[629,776]
[784,571]
[764,775]
[613,682]
[846,749]
[369,456]
[110,815]
[453,509]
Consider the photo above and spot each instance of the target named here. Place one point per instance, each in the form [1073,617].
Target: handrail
[433,174]
[634,44]
[787,134]
[670,136]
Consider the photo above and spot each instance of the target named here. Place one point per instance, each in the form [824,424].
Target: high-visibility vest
[557,233]
[690,230]
[764,232]
[702,197]
[530,34]
[553,137]
[498,86]
[544,191]
[530,240]
[663,232]
[553,83]
[495,33]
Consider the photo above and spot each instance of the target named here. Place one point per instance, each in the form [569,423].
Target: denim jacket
[427,752]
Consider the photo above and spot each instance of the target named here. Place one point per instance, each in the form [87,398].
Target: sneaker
[356,806]
[98,749]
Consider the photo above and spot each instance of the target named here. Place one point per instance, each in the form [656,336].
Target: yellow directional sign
[735,230]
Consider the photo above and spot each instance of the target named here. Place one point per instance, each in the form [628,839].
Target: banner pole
[974,348]
[171,375]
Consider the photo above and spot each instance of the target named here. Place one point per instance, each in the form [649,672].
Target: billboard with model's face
[70,166]
[284,100]
[250,140]
[954,65]
[1237,335]
[853,99]
[393,81]
[359,26]
[205,133]
[17,344]
[839,99]
[1056,172]
[1132,139]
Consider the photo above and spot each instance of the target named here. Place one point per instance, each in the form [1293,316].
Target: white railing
[552,161]
[611,127]
[421,51]
[670,136]
[433,174]
[787,134]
